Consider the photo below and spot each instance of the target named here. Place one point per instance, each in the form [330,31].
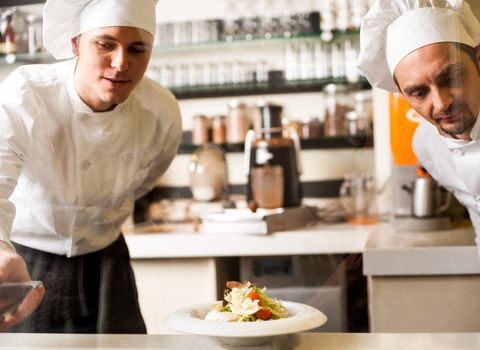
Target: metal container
[427,198]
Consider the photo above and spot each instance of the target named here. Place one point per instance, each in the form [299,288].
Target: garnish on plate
[245,302]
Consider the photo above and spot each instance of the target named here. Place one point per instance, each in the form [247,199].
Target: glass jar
[357,124]
[312,129]
[201,130]
[363,104]
[238,121]
[219,130]
[336,106]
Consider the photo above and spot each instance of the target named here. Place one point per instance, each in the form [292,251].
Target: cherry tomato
[263,314]
[254,296]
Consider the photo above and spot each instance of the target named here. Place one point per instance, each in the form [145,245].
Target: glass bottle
[2,43]
[9,35]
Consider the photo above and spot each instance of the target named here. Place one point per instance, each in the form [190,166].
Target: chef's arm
[13,269]
[14,141]
[12,266]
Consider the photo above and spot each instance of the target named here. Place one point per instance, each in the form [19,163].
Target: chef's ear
[75,45]
[477,54]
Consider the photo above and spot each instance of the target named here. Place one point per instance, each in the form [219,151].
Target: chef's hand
[13,269]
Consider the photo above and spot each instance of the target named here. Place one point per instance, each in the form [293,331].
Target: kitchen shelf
[252,89]
[25,58]
[257,42]
[321,143]
[8,3]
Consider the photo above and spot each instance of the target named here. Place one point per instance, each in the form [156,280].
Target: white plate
[232,215]
[191,320]
[239,215]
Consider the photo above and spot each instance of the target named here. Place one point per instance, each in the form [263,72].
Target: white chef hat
[394,28]
[65,19]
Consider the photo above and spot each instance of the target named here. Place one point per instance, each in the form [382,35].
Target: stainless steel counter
[303,341]
[444,252]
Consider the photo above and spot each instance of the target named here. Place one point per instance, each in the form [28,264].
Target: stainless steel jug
[427,198]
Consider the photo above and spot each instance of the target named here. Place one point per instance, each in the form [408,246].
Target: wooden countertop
[302,341]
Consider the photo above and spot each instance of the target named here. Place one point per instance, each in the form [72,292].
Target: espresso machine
[272,161]
[419,204]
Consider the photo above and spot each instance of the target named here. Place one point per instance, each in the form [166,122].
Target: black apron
[91,293]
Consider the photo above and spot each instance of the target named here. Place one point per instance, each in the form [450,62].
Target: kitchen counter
[182,242]
[429,280]
[302,341]
[445,252]
[178,257]
[208,260]
[386,250]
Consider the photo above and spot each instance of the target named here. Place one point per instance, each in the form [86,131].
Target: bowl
[191,320]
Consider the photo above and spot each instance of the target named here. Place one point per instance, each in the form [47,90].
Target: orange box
[403,122]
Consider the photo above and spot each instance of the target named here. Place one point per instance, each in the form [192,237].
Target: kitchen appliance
[272,161]
[413,209]
[427,196]
[208,174]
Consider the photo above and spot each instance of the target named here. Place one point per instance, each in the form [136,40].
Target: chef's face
[442,83]
[111,62]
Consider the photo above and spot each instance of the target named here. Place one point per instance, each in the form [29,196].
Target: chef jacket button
[84,117]
[128,158]
[458,152]
[86,164]
[124,110]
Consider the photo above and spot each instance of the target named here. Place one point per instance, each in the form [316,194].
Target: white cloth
[73,174]
[394,28]
[66,19]
[454,164]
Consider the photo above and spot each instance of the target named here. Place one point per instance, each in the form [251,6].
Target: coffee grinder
[272,161]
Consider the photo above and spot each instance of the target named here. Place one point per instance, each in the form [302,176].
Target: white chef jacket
[455,164]
[69,176]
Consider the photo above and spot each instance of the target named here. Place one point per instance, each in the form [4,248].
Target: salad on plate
[245,302]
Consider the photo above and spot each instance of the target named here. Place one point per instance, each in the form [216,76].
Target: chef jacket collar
[79,106]
[474,135]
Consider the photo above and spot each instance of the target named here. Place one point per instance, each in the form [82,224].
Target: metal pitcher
[427,198]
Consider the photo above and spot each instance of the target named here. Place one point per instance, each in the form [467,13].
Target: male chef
[80,140]
[429,51]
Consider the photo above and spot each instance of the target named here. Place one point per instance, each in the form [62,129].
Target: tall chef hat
[394,28]
[65,19]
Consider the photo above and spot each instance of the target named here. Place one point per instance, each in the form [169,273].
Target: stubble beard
[461,127]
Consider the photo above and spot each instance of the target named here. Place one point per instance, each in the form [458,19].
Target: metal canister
[219,130]
[201,130]
[238,121]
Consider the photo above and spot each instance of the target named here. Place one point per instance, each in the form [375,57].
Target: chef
[80,140]
[429,51]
